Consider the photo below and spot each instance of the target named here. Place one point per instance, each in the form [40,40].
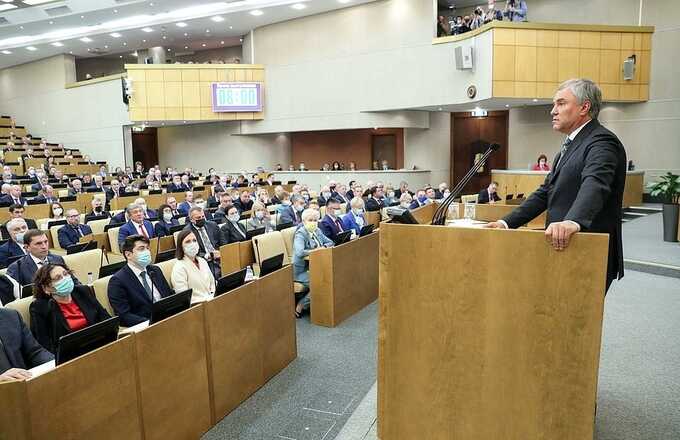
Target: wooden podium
[488,334]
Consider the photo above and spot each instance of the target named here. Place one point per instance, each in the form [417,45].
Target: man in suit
[331,223]
[188,202]
[220,215]
[375,201]
[14,197]
[137,285]
[37,246]
[137,225]
[176,185]
[119,218]
[209,236]
[97,210]
[325,195]
[76,187]
[439,192]
[149,214]
[584,190]
[489,194]
[172,203]
[72,231]
[17,211]
[114,191]
[243,203]
[48,196]
[19,351]
[341,194]
[185,181]
[14,247]
[43,180]
[290,210]
[98,182]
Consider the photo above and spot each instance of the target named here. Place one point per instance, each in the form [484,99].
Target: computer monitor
[27,291]
[342,237]
[165,256]
[231,281]
[254,232]
[80,247]
[55,223]
[112,225]
[154,191]
[35,201]
[176,228]
[88,339]
[366,230]
[271,265]
[170,305]
[67,199]
[401,215]
[97,217]
[110,269]
[509,196]
[282,226]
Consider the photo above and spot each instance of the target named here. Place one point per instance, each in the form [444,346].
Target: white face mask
[200,204]
[58,211]
[191,249]
[167,216]
[338,212]
[259,215]
[234,218]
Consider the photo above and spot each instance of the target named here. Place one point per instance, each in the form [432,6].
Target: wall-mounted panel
[184,91]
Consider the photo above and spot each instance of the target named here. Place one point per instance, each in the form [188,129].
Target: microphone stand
[439,217]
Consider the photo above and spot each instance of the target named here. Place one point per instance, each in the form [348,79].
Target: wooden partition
[343,279]
[236,256]
[153,201]
[471,353]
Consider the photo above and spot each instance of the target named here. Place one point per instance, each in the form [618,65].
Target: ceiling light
[115,11]
[165,37]
[124,43]
[86,40]
[181,24]
[21,27]
[147,30]
[507,105]
[186,34]
[256,12]
[57,44]
[298,6]
[221,42]
[143,41]
[35,2]
[231,27]
[217,18]
[7,7]
[150,4]
[116,34]
[203,44]
[120,56]
[207,31]
[344,1]
[31,48]
[82,16]
[51,22]
[535,100]
[134,54]
[106,46]
[186,47]
[6,52]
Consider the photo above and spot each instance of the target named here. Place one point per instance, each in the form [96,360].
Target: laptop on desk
[230,282]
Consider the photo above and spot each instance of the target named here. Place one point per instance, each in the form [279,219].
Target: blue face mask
[64,287]
[144,258]
[422,199]
[19,238]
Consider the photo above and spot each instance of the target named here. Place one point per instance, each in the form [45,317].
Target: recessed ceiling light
[51,22]
[150,4]
[31,48]
[169,49]
[115,11]
[82,16]
[6,52]
[186,47]
[207,31]
[143,41]
[298,6]
[7,7]
[124,43]
[86,40]
[344,1]
[165,37]
[106,46]
[217,18]
[181,24]
[507,105]
[186,34]
[71,52]
[231,27]
[116,34]
[21,27]
[35,2]
[120,56]
[147,29]
[57,44]
[440,109]
[535,100]
[203,44]
[221,42]
[256,12]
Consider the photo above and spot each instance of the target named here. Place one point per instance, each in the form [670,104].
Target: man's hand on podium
[560,233]
[495,225]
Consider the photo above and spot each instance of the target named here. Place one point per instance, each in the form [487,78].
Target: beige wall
[217,145]
[648,130]
[226,54]
[430,149]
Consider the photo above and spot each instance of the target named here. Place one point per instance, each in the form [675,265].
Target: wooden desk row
[83,203]
[172,380]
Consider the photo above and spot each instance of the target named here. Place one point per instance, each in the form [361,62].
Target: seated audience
[14,247]
[541,164]
[149,214]
[516,10]
[307,237]
[243,203]
[331,224]
[390,196]
[324,196]
[87,181]
[137,225]
[188,202]
[209,236]
[43,181]
[290,210]
[177,185]
[172,203]
[137,285]
[190,270]
[18,211]
[57,212]
[97,210]
[13,197]
[439,192]
[38,255]
[120,218]
[488,194]
[20,349]
[165,222]
[260,218]
[72,231]
[98,183]
[114,191]
[220,215]
[431,195]
[76,187]
[375,201]
[47,195]
[420,199]
[263,197]
[341,194]
[61,307]
[406,201]
[352,166]
[233,230]
[355,218]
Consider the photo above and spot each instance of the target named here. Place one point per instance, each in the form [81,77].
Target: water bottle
[249,273]
[90,278]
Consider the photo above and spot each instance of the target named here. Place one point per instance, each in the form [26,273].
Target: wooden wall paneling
[568,63]
[525,64]
[504,63]
[571,39]
[589,64]
[547,64]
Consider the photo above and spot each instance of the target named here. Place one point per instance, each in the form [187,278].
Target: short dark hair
[13,207]
[373,190]
[333,200]
[31,234]
[42,279]
[161,208]
[542,156]
[179,251]
[129,243]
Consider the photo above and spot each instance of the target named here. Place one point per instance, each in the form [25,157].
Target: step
[643,209]
[666,270]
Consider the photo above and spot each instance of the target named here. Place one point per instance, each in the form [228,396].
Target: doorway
[145,147]
[384,147]
[470,138]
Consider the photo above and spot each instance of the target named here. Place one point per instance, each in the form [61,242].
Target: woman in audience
[307,237]
[263,197]
[191,271]
[165,221]
[541,164]
[57,211]
[355,218]
[390,197]
[336,166]
[60,307]
[233,230]
[260,218]
[352,167]
[405,201]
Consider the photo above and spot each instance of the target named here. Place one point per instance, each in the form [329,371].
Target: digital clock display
[236,97]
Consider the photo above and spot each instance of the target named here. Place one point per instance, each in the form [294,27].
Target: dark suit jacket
[374,204]
[289,215]
[242,207]
[129,229]
[6,290]
[21,348]
[119,218]
[9,249]
[162,229]
[23,269]
[44,199]
[8,200]
[151,214]
[128,298]
[231,234]
[68,236]
[483,197]
[329,227]
[110,194]
[73,192]
[215,235]
[178,188]
[48,323]
[36,187]
[398,193]
[587,188]
[184,208]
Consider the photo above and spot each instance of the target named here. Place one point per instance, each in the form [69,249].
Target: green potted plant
[668,189]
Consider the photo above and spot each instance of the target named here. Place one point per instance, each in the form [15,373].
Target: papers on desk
[134,329]
[465,223]
[42,369]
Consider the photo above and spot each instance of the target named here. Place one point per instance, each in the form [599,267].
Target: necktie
[565,146]
[206,241]
[146,285]
[142,230]
[337,222]
[316,240]
[80,233]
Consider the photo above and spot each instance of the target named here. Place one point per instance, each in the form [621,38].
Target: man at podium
[584,190]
